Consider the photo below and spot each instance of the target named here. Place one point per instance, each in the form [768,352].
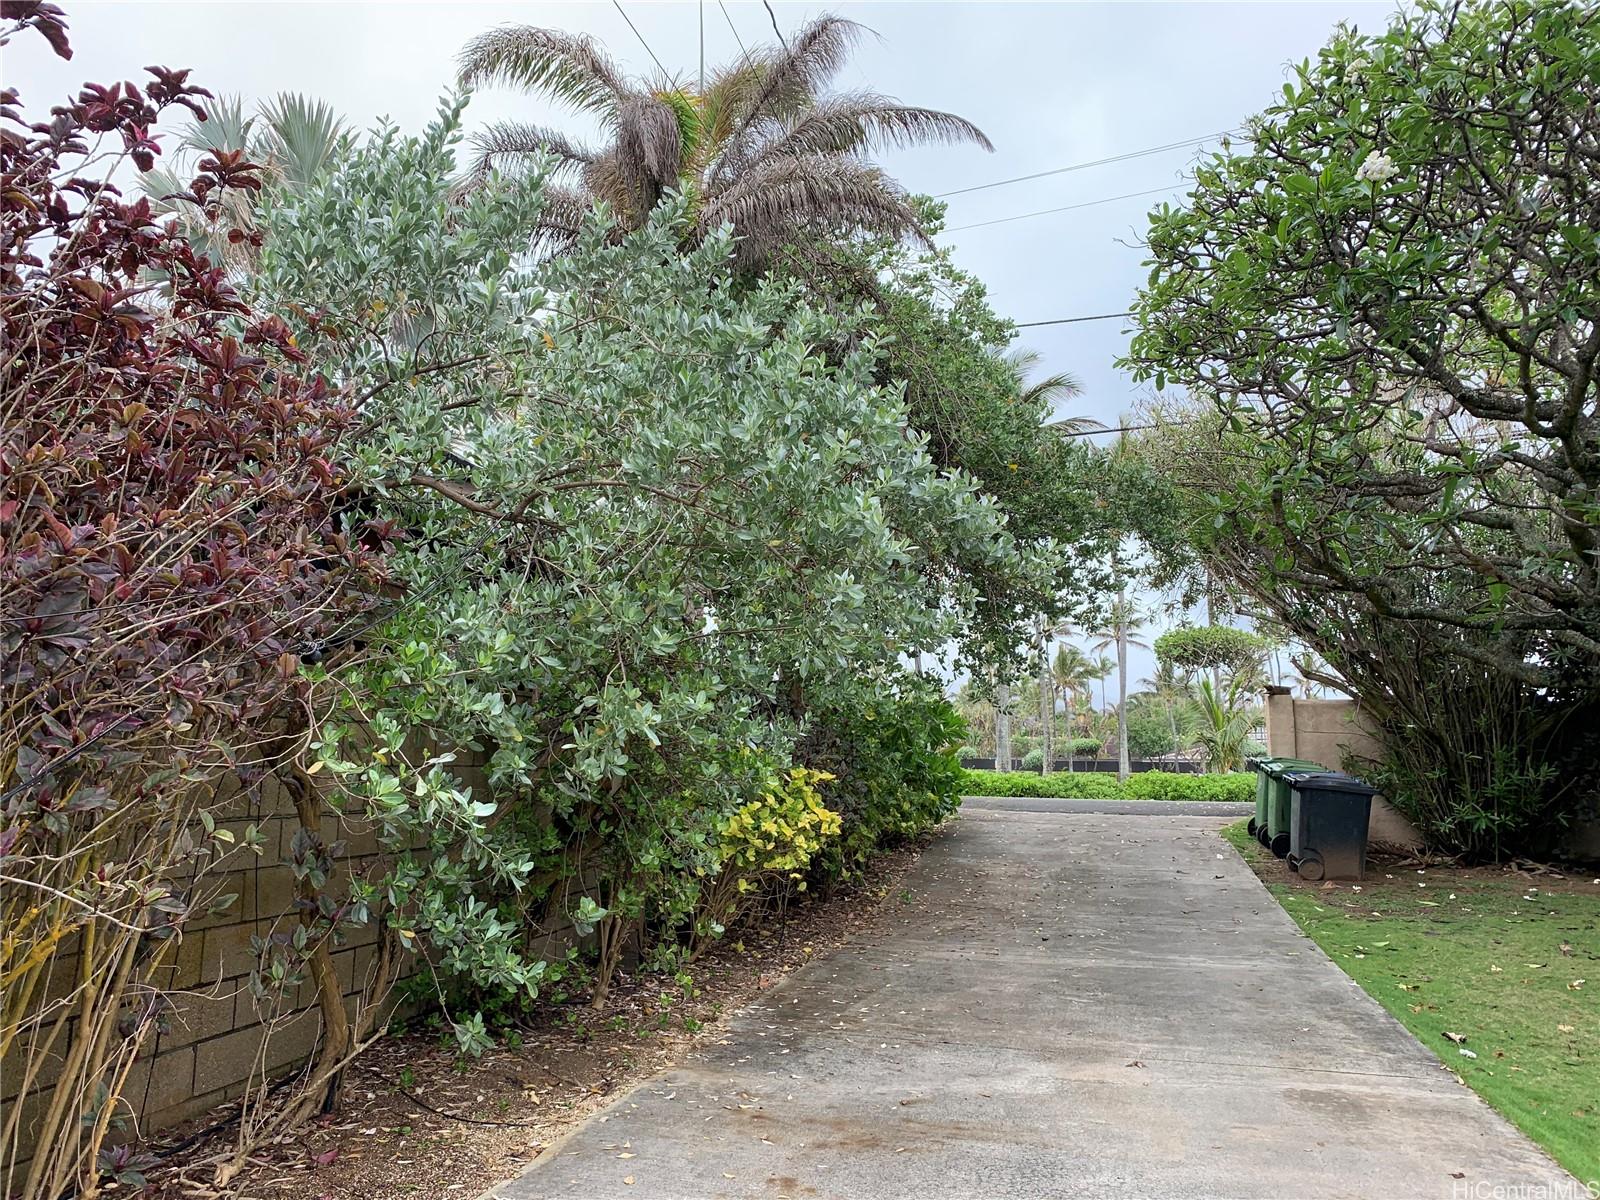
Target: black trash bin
[1329,812]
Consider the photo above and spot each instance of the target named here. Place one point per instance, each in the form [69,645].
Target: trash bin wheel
[1261,835]
[1310,868]
[1280,845]
[1250,827]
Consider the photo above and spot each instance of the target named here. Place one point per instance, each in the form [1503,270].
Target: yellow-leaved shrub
[766,843]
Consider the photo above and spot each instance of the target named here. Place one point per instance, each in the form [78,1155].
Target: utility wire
[1071,320]
[782,41]
[1098,162]
[1044,212]
[640,36]
[734,29]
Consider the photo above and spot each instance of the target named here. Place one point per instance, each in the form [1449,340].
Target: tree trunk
[1211,619]
[1123,767]
[1047,705]
[1002,728]
[338,1038]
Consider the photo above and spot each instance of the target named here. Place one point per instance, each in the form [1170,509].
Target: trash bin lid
[1328,781]
[1280,767]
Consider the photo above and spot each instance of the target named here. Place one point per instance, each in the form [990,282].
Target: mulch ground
[417,1122]
[1388,867]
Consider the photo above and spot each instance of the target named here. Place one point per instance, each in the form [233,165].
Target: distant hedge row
[1103,785]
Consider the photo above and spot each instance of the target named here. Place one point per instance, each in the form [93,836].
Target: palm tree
[1100,667]
[1022,362]
[1126,620]
[764,147]
[1169,689]
[979,715]
[1228,720]
[292,137]
[1070,673]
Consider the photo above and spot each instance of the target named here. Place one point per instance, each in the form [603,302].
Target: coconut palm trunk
[1124,768]
[1047,702]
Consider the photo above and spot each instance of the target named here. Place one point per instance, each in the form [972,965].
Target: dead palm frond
[570,67]
[765,148]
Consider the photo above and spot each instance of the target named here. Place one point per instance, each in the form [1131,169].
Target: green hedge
[1103,785]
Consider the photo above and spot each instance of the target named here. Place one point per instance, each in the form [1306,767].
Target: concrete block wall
[1333,733]
[216,1033]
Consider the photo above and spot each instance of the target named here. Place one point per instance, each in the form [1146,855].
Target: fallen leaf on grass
[1576,985]
[1465,1053]
[1563,1028]
[1494,969]
[1457,1038]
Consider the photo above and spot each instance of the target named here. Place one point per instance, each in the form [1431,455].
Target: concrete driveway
[1070,1004]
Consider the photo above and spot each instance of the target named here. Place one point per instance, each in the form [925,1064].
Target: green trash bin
[1329,813]
[1259,763]
[1273,828]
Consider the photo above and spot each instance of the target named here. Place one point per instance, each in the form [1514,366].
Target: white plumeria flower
[1377,168]
[1357,67]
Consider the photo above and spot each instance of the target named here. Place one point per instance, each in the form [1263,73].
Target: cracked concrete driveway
[1070,1003]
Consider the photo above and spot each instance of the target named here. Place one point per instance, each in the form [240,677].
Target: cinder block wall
[216,1033]
[1333,732]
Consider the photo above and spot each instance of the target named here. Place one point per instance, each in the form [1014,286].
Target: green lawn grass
[1510,961]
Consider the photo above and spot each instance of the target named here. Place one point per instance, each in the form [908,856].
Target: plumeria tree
[1389,296]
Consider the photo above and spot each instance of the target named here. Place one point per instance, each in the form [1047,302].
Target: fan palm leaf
[298,138]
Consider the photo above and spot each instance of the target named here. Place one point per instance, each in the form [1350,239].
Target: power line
[782,41]
[640,36]
[1044,212]
[1071,320]
[732,28]
[1098,162]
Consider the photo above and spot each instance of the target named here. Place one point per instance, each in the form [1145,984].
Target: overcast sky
[1051,84]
